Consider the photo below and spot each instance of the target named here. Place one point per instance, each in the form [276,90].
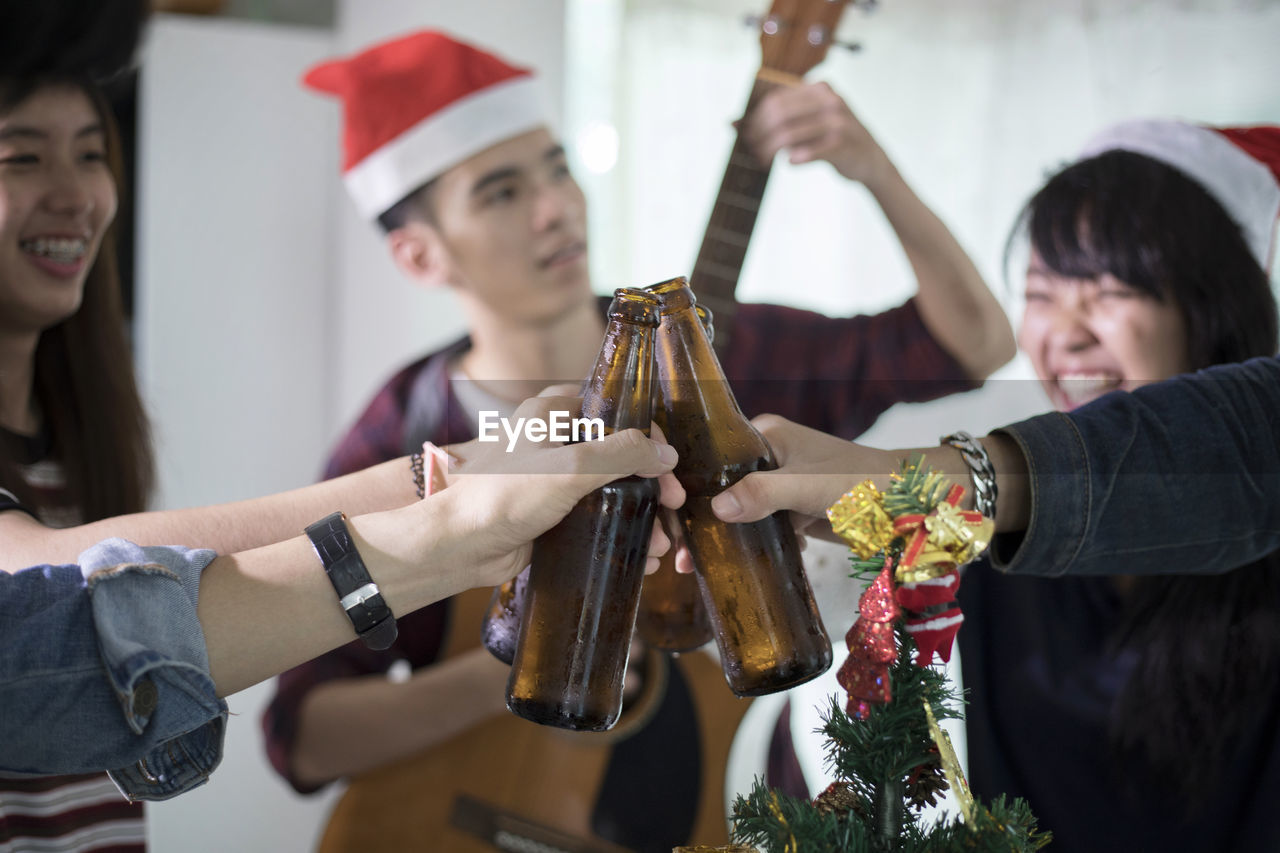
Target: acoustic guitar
[509,784]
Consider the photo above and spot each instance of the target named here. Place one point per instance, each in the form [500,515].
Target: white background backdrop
[268,313]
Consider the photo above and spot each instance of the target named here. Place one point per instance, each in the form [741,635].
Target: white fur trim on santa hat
[1245,188]
[442,140]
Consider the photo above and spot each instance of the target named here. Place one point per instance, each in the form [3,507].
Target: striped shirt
[61,814]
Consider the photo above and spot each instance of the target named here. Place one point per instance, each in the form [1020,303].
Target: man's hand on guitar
[811,122]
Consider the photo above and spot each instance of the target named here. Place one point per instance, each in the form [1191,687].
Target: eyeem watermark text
[559,427]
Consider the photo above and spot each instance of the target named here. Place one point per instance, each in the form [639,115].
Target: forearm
[225,528]
[271,608]
[953,299]
[393,719]
[1180,476]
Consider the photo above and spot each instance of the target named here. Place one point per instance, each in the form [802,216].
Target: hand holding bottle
[514,497]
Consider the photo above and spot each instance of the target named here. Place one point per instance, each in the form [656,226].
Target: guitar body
[535,783]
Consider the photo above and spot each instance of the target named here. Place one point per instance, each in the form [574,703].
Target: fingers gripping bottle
[761,607]
[672,617]
[579,609]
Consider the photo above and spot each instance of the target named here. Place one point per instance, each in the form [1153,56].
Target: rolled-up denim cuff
[1060,495]
[144,610]
[176,766]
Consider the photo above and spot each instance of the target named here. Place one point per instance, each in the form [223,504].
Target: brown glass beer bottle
[672,617]
[579,608]
[501,626]
[761,607]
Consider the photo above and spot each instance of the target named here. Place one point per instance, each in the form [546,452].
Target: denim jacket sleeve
[103,665]
[1176,477]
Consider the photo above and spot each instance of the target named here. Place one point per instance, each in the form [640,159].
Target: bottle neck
[620,389]
[702,418]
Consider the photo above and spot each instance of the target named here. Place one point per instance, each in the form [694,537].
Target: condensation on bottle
[579,609]
[672,617]
[761,608]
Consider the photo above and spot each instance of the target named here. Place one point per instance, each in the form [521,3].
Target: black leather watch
[357,593]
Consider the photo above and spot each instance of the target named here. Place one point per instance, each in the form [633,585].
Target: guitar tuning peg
[851,46]
[769,25]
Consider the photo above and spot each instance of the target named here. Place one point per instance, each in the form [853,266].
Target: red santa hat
[417,105]
[1238,166]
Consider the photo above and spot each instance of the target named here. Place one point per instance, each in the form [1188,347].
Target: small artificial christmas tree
[885,746]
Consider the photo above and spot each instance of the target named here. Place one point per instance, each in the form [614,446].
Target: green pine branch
[774,822]
[917,489]
[874,757]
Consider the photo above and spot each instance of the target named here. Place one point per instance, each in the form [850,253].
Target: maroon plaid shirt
[833,374]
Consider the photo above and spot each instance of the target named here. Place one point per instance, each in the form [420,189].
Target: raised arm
[812,122]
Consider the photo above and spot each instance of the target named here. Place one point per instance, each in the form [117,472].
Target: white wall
[233,297]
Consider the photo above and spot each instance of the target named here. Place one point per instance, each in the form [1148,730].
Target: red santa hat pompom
[417,105]
[1238,166]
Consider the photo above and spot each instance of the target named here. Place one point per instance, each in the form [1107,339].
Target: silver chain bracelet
[980,470]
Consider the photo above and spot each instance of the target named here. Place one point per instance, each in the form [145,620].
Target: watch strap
[358,595]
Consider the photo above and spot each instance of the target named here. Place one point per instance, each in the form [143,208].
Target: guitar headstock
[796,34]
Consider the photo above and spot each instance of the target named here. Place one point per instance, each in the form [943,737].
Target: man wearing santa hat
[446,146]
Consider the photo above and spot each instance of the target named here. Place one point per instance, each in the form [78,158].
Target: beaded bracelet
[425,468]
[419,475]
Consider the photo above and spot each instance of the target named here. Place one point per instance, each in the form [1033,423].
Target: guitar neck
[733,217]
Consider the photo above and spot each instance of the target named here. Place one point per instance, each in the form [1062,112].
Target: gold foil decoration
[950,764]
[950,538]
[931,563]
[859,518]
[950,530]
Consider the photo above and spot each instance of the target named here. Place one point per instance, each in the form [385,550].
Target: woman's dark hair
[84,380]
[96,39]
[1201,644]
[1158,230]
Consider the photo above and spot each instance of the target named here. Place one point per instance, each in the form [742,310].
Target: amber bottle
[579,609]
[761,607]
[672,616]
[501,626]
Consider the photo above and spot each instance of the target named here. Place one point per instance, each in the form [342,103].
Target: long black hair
[1201,644]
[94,39]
